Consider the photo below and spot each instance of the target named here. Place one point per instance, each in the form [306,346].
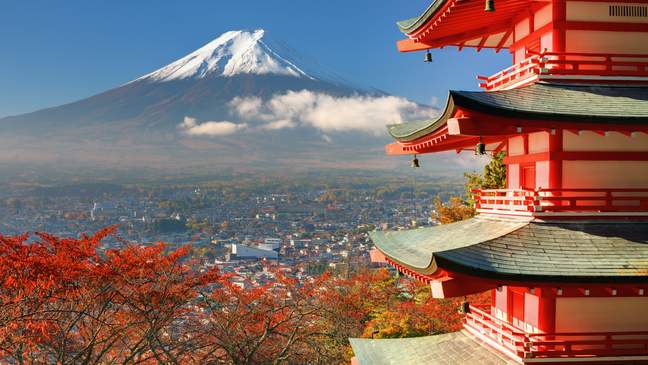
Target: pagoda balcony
[527,347]
[570,68]
[562,202]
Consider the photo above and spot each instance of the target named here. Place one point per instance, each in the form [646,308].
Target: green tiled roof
[536,251]
[408,26]
[592,104]
[456,348]
[416,248]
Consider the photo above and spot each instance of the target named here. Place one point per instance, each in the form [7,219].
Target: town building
[564,247]
[243,252]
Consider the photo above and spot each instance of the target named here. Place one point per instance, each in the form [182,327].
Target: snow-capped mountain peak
[232,53]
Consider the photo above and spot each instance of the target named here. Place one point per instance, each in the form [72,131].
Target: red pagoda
[564,248]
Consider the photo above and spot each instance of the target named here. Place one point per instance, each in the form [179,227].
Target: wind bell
[415,162]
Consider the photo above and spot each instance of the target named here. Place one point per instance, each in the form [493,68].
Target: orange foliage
[453,211]
[62,300]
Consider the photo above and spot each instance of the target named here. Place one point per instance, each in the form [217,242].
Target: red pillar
[546,310]
[555,164]
[559,15]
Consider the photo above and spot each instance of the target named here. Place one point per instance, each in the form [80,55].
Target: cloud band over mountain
[210,128]
[321,111]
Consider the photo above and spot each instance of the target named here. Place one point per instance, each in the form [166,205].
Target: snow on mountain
[232,53]
[244,99]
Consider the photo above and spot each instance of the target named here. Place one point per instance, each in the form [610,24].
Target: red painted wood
[555,164]
[559,17]
[560,200]
[533,157]
[547,64]
[553,345]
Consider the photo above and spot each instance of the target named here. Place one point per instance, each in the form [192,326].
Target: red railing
[547,201]
[518,343]
[519,72]
[555,65]
[593,64]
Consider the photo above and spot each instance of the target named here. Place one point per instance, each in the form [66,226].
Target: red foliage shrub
[63,300]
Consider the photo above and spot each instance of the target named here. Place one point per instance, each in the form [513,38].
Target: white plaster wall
[606,42]
[521,29]
[514,176]
[538,142]
[601,314]
[605,174]
[613,141]
[531,312]
[542,174]
[542,17]
[599,12]
[516,146]
[519,55]
[546,42]
[500,310]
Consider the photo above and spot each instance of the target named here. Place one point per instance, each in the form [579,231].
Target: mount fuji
[242,99]
[233,53]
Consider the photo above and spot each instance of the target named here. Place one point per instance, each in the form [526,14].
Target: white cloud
[329,113]
[246,107]
[279,124]
[324,112]
[210,128]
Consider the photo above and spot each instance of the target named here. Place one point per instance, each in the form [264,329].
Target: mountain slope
[140,123]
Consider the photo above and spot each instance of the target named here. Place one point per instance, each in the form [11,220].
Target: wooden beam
[411,45]
[482,126]
[533,157]
[578,156]
[458,288]
[481,43]
[502,41]
[499,147]
[602,156]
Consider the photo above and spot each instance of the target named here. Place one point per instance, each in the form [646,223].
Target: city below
[301,227]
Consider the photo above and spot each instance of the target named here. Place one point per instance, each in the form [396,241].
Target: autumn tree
[457,208]
[414,312]
[67,301]
[493,177]
[62,302]
[271,324]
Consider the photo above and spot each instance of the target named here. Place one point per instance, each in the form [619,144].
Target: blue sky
[57,52]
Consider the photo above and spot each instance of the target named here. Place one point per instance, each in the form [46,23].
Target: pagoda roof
[450,348]
[462,23]
[540,101]
[412,24]
[524,250]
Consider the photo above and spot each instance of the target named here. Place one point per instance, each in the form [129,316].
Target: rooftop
[458,348]
[540,101]
[523,250]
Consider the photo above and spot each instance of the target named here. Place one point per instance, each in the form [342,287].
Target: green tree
[493,177]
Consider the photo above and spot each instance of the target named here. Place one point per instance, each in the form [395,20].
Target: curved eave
[519,251]
[463,24]
[416,249]
[411,25]
[410,131]
[501,277]
[543,102]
